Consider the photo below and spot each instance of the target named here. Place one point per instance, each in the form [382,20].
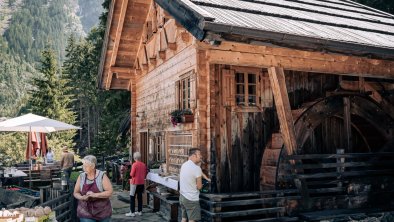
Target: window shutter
[228,87]
[266,92]
[259,96]
[193,86]
[177,95]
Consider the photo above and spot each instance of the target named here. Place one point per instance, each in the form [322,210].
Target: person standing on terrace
[190,183]
[137,179]
[67,163]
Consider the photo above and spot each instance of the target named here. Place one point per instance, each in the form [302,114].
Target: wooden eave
[126,19]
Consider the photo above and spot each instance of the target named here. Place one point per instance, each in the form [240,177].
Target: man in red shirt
[137,174]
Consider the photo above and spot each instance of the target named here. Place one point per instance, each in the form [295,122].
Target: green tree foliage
[12,147]
[14,76]
[99,113]
[36,23]
[384,5]
[51,97]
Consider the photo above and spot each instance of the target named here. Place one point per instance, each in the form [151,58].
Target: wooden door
[144,147]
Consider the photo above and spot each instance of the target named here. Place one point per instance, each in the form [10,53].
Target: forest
[50,69]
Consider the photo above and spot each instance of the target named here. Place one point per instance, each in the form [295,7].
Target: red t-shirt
[138,173]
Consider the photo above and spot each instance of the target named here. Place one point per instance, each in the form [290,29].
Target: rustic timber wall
[166,54]
[156,92]
[240,138]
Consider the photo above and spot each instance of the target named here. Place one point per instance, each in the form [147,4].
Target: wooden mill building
[284,94]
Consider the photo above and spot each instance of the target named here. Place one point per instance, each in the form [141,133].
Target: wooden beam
[120,75]
[278,84]
[102,69]
[290,59]
[118,69]
[118,34]
[121,84]
[138,72]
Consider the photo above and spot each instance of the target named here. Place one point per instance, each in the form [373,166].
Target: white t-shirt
[49,157]
[188,183]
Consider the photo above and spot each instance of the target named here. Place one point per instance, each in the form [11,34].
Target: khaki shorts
[190,209]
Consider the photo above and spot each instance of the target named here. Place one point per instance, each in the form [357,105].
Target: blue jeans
[108,219]
[67,174]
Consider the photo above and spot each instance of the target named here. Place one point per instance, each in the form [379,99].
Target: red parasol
[44,145]
[35,143]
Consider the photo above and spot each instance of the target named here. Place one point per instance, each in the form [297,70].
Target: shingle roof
[328,25]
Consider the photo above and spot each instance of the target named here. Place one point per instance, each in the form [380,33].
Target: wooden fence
[350,181]
[275,205]
[62,202]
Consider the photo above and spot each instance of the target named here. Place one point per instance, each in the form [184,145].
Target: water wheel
[319,127]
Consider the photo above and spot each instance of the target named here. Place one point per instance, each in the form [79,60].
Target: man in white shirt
[190,183]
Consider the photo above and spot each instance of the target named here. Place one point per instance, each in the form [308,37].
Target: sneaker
[139,213]
[129,214]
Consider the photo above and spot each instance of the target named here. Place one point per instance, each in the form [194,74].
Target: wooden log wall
[156,93]
[240,138]
[238,135]
[165,53]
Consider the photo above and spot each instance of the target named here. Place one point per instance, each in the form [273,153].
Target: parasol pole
[30,160]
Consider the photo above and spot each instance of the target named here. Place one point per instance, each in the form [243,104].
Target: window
[246,89]
[157,150]
[184,93]
[246,93]
[160,148]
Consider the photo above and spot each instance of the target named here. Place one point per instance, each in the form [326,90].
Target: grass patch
[74,176]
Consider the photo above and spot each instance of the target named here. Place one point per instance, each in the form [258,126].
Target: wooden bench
[169,205]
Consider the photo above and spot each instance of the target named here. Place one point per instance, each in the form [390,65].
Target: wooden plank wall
[156,92]
[240,138]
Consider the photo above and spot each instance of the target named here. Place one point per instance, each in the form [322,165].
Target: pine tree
[51,98]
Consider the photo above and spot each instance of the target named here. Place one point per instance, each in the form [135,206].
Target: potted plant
[176,117]
[181,116]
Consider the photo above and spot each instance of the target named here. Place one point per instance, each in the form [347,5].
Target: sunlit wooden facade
[250,100]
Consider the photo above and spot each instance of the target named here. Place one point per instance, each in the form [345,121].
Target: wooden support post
[44,193]
[102,163]
[156,203]
[278,84]
[283,109]
[347,124]
[361,84]
[340,169]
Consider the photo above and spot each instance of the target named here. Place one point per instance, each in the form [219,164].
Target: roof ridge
[343,9]
[289,17]
[320,12]
[371,9]
[339,2]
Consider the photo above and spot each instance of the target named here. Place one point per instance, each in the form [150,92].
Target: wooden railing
[343,180]
[64,204]
[272,205]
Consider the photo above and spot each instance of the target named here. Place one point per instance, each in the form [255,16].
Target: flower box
[181,116]
[187,118]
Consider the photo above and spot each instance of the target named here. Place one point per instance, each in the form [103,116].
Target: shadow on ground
[120,208]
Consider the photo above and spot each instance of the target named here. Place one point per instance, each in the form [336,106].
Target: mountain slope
[27,26]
